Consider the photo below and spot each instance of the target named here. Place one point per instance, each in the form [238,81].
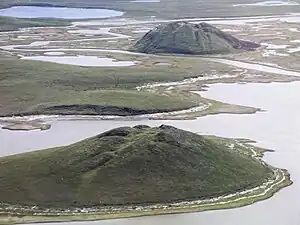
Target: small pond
[82,60]
[58,12]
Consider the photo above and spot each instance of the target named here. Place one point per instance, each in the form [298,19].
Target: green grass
[11,24]
[32,86]
[128,166]
[114,102]
[123,214]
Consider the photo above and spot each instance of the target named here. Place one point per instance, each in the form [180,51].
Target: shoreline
[48,5]
[23,126]
[118,7]
[266,190]
[208,107]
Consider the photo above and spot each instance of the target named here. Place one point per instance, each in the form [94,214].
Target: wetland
[82,76]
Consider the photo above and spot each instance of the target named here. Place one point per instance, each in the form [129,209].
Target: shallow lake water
[269,3]
[81,60]
[57,12]
[278,128]
[145,1]
[255,66]
[54,53]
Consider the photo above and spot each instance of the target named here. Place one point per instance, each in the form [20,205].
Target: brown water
[277,128]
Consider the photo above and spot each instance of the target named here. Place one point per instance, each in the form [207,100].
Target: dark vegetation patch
[32,87]
[192,39]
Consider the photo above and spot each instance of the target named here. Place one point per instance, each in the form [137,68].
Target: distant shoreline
[52,6]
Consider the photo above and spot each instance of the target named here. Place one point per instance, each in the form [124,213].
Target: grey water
[58,12]
[277,128]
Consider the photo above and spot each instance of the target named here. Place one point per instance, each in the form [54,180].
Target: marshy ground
[93,67]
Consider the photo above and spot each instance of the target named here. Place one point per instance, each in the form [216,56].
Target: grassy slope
[11,24]
[179,38]
[128,165]
[31,86]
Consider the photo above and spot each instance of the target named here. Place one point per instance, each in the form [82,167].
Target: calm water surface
[277,128]
[82,60]
[57,12]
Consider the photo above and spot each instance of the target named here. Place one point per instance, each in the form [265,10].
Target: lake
[58,12]
[81,60]
[278,128]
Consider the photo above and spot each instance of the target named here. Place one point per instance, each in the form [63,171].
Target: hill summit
[128,165]
[189,38]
